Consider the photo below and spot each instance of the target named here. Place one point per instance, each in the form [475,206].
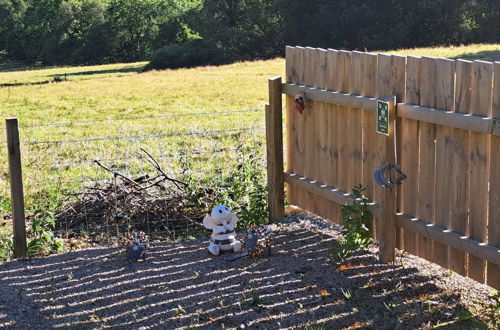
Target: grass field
[100,112]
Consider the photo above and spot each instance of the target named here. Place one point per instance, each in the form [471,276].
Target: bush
[186,55]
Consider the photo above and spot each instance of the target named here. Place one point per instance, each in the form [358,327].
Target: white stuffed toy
[222,223]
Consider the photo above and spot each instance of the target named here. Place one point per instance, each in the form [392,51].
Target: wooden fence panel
[479,162]
[453,167]
[493,270]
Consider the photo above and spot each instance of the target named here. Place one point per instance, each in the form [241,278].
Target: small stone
[268,283]
[242,326]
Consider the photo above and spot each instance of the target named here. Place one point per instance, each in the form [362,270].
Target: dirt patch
[182,286]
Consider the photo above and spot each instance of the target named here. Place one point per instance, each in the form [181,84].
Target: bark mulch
[181,286]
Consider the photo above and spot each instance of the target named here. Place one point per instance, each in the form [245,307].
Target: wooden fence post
[274,140]
[387,220]
[16,188]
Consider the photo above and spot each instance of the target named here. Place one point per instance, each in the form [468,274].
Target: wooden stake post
[274,138]
[16,188]
[387,223]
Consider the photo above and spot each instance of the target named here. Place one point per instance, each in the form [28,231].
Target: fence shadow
[183,286]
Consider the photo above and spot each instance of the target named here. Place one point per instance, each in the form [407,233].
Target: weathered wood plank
[333,145]
[479,162]
[409,153]
[444,92]
[427,154]
[458,172]
[333,97]
[390,81]
[493,278]
[16,188]
[292,154]
[450,238]
[274,144]
[325,191]
[453,119]
[369,131]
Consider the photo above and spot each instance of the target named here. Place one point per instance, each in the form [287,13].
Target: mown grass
[105,94]
[168,108]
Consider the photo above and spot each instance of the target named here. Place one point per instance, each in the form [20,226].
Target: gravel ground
[182,286]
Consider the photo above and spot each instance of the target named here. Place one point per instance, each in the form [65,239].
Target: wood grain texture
[444,83]
[427,156]
[409,144]
[16,188]
[390,81]
[493,270]
[333,143]
[291,124]
[343,125]
[450,238]
[479,164]
[458,173]
[274,144]
[369,131]
[355,142]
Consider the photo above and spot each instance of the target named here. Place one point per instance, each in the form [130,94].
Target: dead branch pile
[155,204]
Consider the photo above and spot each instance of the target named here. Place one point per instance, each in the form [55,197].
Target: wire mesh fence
[106,176]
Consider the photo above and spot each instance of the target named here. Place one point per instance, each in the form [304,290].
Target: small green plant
[496,307]
[356,221]
[6,247]
[256,300]
[179,311]
[346,293]
[42,239]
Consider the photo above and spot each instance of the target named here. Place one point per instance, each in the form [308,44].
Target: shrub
[192,53]
[43,241]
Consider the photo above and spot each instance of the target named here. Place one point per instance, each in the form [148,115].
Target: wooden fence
[446,132]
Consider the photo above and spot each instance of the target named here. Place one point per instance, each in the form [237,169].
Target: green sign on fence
[382,117]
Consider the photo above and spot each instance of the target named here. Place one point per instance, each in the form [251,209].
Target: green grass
[53,171]
[117,91]
[484,52]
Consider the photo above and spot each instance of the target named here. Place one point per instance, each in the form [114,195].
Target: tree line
[177,33]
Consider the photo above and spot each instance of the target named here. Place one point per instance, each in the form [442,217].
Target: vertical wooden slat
[409,153]
[274,144]
[479,162]
[16,187]
[297,144]
[458,142]
[427,156]
[291,124]
[343,124]
[369,134]
[327,209]
[493,278]
[332,113]
[444,83]
[355,141]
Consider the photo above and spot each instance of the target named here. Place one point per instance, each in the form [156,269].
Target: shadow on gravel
[180,285]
